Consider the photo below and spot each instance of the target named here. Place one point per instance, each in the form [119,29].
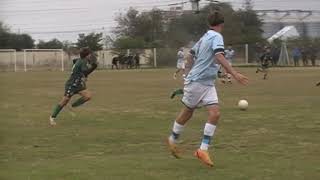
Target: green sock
[79,102]
[176,92]
[56,110]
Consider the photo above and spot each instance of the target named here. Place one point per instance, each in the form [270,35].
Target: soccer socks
[176,131]
[207,135]
[79,102]
[176,93]
[56,110]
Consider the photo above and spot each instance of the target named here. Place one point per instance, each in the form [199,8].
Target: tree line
[153,29]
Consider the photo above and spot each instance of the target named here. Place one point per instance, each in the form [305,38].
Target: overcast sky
[64,19]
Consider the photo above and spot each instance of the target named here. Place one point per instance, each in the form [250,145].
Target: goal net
[8,60]
[42,60]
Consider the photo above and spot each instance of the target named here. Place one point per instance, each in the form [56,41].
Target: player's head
[85,52]
[216,21]
[230,46]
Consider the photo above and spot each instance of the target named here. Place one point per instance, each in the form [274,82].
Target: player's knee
[88,96]
[214,114]
[65,101]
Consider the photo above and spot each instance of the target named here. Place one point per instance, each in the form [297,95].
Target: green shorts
[73,87]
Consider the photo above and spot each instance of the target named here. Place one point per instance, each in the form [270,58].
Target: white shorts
[197,95]
[180,65]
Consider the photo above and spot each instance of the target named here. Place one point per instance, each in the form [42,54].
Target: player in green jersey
[76,84]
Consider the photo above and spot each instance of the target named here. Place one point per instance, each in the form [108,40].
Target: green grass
[120,134]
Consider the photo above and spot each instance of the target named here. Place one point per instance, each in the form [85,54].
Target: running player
[265,60]
[199,89]
[76,84]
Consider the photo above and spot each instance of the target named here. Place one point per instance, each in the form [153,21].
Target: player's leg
[178,126]
[191,98]
[176,92]
[259,69]
[211,102]
[58,108]
[85,97]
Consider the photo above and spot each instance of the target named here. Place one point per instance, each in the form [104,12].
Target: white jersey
[229,54]
[180,57]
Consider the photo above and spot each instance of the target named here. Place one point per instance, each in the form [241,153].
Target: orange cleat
[204,157]
[173,149]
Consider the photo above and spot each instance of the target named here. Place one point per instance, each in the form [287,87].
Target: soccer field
[120,134]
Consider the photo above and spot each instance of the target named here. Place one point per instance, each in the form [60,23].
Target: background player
[265,60]
[229,54]
[180,64]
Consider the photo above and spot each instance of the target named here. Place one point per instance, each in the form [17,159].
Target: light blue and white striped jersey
[204,69]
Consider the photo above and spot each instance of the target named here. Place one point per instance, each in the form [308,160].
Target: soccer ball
[243,105]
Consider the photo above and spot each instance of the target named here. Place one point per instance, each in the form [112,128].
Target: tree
[250,24]
[190,27]
[163,29]
[128,43]
[52,44]
[92,40]
[145,26]
[10,40]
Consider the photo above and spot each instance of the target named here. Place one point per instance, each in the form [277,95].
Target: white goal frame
[14,56]
[53,50]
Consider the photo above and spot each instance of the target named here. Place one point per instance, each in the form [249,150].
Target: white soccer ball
[243,104]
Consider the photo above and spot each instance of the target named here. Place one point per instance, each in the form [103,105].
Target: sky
[65,19]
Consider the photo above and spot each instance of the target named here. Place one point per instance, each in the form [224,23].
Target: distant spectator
[313,55]
[275,53]
[296,54]
[115,61]
[122,61]
[137,60]
[304,55]
[130,61]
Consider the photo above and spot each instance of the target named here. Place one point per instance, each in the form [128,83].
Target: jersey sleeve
[218,44]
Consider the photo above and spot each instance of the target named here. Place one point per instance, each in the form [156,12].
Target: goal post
[4,61]
[44,53]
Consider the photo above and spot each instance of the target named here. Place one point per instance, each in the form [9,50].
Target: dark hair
[84,52]
[215,18]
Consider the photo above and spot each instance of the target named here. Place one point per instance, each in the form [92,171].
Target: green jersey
[80,70]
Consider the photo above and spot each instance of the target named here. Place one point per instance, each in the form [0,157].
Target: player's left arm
[93,63]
